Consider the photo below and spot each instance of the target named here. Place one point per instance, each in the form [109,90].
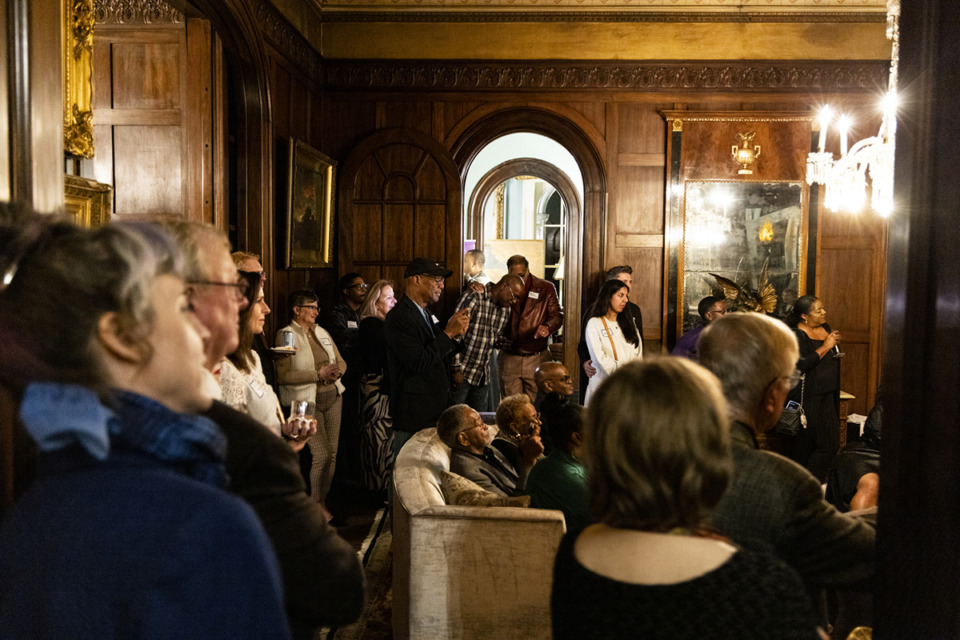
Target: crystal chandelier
[845,179]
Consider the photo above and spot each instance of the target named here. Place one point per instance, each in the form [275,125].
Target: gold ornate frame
[310,188]
[88,201]
[78,24]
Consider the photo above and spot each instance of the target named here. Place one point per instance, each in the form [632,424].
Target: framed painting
[310,189]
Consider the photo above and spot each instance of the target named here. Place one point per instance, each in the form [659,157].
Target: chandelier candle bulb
[844,126]
[824,121]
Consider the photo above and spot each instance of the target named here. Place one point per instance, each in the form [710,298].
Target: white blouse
[250,393]
[601,351]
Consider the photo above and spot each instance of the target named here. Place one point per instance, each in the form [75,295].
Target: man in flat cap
[418,351]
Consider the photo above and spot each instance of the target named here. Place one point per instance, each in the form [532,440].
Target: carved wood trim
[747,76]
[351,13]
[135,12]
[278,31]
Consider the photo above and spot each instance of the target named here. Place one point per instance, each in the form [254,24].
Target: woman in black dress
[816,446]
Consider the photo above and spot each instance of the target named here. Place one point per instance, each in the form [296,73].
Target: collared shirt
[487,323]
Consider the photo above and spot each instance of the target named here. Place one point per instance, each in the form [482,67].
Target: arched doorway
[581,262]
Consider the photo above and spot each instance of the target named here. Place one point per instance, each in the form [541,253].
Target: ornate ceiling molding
[347,13]
[278,31]
[135,12]
[746,76]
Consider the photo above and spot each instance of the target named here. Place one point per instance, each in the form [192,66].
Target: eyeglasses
[309,306]
[437,279]
[362,286]
[795,378]
[720,311]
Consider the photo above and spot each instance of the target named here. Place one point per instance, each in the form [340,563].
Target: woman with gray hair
[657,449]
[127,516]
[313,374]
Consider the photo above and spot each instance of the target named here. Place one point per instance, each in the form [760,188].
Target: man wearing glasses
[710,309]
[342,322]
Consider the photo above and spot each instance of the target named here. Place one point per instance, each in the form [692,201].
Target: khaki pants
[516,373]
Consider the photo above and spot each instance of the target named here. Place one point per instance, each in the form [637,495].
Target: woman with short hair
[313,373]
[657,452]
[127,531]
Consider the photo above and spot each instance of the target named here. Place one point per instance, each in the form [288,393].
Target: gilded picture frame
[310,187]
[78,17]
[89,202]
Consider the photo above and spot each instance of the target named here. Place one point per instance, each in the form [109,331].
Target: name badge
[325,342]
[604,334]
[433,319]
[256,388]
[351,324]
[534,295]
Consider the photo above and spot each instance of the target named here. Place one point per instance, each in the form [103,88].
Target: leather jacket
[539,306]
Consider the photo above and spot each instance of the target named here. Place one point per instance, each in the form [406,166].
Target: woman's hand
[832,339]
[329,373]
[298,431]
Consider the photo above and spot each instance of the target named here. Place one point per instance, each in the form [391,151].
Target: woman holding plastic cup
[243,385]
[313,374]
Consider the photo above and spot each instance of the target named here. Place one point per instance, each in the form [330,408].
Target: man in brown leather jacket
[536,316]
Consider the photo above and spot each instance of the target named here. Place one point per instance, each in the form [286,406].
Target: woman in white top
[244,387]
[611,335]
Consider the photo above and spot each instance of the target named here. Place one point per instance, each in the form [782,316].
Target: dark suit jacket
[774,505]
[323,580]
[418,364]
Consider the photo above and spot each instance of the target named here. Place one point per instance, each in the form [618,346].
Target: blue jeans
[476,396]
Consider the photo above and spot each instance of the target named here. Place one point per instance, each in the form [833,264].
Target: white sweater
[601,352]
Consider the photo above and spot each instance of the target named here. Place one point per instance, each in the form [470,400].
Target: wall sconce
[743,154]
[766,232]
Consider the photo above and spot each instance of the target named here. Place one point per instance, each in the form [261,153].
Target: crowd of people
[168,433]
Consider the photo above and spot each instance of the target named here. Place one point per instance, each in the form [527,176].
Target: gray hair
[451,423]
[747,351]
[478,257]
[67,280]
[508,411]
[195,240]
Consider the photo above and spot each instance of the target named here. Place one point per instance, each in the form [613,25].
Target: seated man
[773,504]
[552,377]
[500,467]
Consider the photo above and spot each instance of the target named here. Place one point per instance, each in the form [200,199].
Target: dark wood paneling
[707,149]
[147,181]
[399,226]
[147,76]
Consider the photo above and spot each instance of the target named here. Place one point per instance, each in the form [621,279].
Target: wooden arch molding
[592,218]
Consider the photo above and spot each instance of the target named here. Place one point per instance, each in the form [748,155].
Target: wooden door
[399,199]
[154,118]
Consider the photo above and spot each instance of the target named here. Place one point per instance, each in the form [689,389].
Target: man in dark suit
[773,504]
[418,351]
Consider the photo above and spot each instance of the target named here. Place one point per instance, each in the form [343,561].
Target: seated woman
[559,481]
[658,460]
[611,334]
[244,386]
[126,531]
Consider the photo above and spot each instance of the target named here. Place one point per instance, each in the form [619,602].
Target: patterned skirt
[376,434]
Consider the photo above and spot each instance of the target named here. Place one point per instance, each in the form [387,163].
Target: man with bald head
[489,315]
[552,377]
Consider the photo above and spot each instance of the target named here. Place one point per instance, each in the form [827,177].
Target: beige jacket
[298,375]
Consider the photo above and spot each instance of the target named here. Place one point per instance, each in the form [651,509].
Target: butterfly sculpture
[740,297]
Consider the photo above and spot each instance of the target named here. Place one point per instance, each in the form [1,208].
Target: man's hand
[476,287]
[531,447]
[543,331]
[458,324]
[457,379]
[589,369]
